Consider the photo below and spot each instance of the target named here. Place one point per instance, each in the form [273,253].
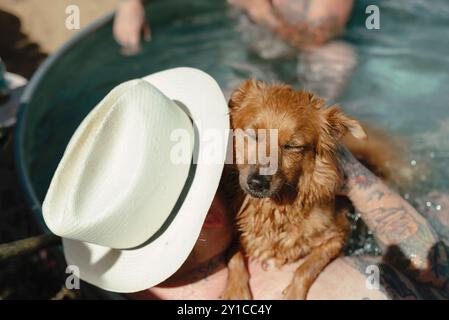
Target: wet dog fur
[290,214]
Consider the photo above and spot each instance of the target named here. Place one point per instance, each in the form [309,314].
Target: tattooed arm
[409,242]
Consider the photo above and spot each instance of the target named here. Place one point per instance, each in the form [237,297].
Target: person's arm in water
[129,23]
[408,240]
[303,23]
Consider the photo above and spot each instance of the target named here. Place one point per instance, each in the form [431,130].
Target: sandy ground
[31,29]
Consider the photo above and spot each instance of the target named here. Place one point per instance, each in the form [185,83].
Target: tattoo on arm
[354,173]
[375,195]
[392,225]
[409,241]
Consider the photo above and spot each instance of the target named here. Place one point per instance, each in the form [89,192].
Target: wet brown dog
[289,214]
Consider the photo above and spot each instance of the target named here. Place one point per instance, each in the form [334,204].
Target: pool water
[399,80]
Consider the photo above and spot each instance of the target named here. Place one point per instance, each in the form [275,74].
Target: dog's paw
[236,293]
[294,292]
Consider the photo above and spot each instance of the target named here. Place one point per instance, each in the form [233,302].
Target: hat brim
[137,269]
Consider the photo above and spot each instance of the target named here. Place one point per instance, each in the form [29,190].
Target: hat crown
[123,145]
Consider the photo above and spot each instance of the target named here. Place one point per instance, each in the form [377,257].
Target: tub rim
[24,176]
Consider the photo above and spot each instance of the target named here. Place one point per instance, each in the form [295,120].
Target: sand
[31,29]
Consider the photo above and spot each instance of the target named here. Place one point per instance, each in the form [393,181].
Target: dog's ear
[314,100]
[239,95]
[337,124]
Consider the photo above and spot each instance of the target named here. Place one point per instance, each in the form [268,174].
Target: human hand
[260,11]
[303,24]
[129,22]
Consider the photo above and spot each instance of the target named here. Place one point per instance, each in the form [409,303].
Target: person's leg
[325,70]
[342,279]
[345,278]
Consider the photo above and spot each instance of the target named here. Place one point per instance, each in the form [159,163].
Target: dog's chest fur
[281,233]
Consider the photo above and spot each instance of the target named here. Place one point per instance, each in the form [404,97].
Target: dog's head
[306,168]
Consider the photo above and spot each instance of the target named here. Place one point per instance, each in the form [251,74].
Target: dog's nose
[258,182]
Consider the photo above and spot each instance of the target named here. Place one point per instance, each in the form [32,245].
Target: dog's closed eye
[293,148]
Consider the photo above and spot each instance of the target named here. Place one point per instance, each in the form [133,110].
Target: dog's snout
[259,182]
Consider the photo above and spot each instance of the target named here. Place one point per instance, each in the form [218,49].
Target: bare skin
[415,263]
[305,24]
[417,268]
[308,25]
[302,23]
[129,24]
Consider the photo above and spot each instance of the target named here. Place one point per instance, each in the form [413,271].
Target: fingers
[237,3]
[147,32]
[129,23]
[130,50]
[133,41]
[127,34]
[129,39]
[118,32]
[260,11]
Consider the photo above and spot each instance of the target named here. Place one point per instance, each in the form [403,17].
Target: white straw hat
[129,215]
